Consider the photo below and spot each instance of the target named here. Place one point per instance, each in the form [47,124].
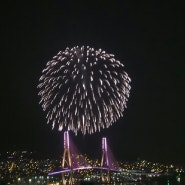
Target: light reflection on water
[123,183]
[149,183]
[59,182]
[167,182]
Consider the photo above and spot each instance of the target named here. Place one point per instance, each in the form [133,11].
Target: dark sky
[149,38]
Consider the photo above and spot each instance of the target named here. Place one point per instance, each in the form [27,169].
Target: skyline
[147,38]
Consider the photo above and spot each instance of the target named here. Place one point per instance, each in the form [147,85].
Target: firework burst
[83,89]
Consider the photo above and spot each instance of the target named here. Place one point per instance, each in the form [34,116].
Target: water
[147,183]
[123,183]
[166,182]
[43,181]
[142,183]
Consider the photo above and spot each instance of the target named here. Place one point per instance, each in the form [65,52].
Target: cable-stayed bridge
[72,163]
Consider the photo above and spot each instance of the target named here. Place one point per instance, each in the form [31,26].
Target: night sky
[148,38]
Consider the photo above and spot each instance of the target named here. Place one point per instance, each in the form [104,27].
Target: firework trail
[83,89]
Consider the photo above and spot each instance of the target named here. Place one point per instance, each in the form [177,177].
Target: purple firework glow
[83,89]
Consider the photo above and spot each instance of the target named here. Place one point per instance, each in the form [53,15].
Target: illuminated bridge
[71,164]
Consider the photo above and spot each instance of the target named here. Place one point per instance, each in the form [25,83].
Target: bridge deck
[82,168]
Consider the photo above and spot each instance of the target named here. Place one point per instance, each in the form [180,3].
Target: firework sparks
[83,89]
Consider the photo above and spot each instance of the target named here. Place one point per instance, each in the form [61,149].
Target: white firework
[83,89]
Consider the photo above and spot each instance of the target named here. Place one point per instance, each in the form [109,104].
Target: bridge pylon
[66,158]
[105,177]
